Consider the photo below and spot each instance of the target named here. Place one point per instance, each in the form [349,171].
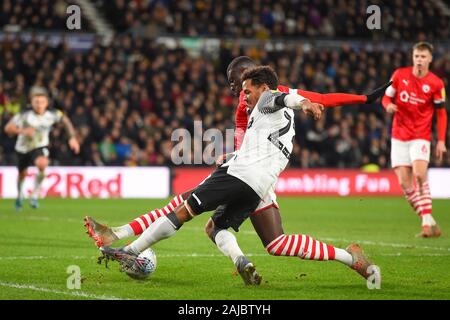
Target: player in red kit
[414,96]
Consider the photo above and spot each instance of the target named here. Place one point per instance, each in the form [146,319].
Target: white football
[144,265]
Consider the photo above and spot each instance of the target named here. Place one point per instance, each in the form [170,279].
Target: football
[144,265]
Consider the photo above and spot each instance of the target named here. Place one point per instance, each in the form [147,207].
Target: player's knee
[421,178]
[182,214]
[41,163]
[23,174]
[405,183]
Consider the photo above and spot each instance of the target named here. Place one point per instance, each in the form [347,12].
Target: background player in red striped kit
[414,96]
[266,219]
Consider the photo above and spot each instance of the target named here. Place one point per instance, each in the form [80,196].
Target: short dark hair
[423,45]
[241,62]
[261,75]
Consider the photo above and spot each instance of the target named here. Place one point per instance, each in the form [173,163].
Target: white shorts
[404,153]
[269,200]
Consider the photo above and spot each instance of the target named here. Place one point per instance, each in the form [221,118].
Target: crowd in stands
[262,19]
[126,99]
[411,20]
[33,15]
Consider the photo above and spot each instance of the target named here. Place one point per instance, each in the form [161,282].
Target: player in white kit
[32,128]
[239,185]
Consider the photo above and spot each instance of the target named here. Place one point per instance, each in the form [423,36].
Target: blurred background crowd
[126,98]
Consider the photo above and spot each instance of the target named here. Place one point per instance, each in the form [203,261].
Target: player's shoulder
[283,89]
[403,71]
[434,78]
[24,112]
[55,112]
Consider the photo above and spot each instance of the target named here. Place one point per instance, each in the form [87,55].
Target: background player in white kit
[32,126]
[240,184]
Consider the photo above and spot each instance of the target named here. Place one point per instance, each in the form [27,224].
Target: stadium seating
[126,98]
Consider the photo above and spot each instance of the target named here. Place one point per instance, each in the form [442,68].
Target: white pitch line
[68,293]
[213,255]
[385,244]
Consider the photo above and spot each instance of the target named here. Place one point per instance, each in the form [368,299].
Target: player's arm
[441,118]
[73,142]
[14,127]
[388,99]
[241,124]
[330,100]
[271,101]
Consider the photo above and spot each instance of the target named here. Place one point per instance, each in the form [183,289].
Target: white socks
[37,185]
[160,229]
[123,232]
[343,256]
[427,220]
[227,243]
[20,189]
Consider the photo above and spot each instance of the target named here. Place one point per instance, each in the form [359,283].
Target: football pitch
[38,246]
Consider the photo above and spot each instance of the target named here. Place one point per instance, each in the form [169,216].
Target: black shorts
[233,199]
[27,159]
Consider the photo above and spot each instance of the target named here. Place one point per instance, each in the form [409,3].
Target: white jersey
[267,145]
[41,123]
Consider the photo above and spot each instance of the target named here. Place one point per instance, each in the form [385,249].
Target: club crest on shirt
[426,88]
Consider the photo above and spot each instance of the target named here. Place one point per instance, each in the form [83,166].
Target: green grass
[37,246]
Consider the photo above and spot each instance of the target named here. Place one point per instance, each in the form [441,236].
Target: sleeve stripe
[390,91]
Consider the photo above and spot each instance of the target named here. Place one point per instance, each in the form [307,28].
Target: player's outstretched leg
[141,223]
[104,235]
[305,247]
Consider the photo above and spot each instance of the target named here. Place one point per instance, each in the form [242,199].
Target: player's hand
[440,150]
[74,145]
[378,92]
[28,132]
[313,109]
[391,108]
